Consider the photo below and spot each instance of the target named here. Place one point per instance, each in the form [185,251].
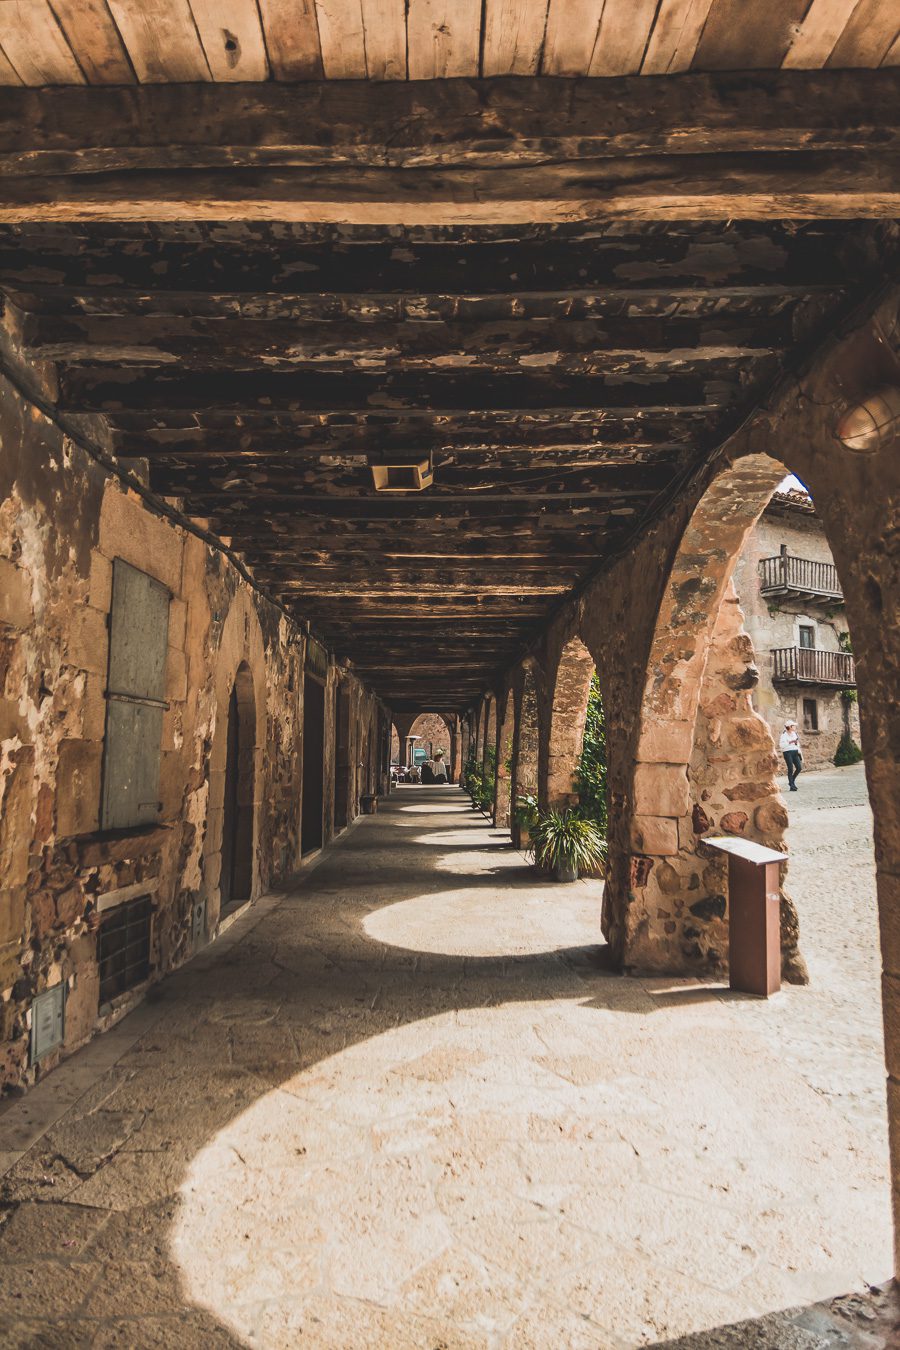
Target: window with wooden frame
[810,715]
[138,639]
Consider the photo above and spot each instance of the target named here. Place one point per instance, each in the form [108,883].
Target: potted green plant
[525,814]
[566,844]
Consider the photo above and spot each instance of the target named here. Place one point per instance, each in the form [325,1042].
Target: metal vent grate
[124,947]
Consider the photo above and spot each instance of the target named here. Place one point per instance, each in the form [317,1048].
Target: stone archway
[434,732]
[240,701]
[571,690]
[705,760]
[238,823]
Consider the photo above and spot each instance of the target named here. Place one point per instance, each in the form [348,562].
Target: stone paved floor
[407,1106]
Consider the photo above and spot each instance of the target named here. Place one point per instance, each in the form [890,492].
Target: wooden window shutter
[138,638]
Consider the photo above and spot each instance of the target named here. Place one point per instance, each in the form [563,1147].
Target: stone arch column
[506,727]
[456,750]
[568,711]
[526,753]
[489,741]
[705,760]
[240,666]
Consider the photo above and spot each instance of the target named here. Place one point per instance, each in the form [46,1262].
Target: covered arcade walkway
[427,1113]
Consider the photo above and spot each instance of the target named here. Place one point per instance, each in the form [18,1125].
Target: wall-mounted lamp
[872,424]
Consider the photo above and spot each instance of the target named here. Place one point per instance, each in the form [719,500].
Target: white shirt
[789,739]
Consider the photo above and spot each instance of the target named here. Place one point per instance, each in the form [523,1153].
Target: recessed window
[807,636]
[138,638]
[123,947]
[810,715]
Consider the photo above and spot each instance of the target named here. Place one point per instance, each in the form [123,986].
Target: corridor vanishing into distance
[448,450]
[408,1104]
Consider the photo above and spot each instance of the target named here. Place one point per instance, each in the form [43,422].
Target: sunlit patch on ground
[407,1106]
[486,920]
[515,1167]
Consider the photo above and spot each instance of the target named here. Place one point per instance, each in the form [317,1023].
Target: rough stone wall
[63,521]
[773,624]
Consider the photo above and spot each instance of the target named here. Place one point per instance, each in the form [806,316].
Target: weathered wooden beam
[102,389]
[438,123]
[317,478]
[758,144]
[575,347]
[381,580]
[553,284]
[413,430]
[426,506]
[828,185]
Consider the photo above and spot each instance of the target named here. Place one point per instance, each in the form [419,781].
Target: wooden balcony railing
[808,665]
[786,574]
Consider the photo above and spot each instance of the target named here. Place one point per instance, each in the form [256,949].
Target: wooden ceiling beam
[753,145]
[829,185]
[443,432]
[428,506]
[315,478]
[565,345]
[555,289]
[111,389]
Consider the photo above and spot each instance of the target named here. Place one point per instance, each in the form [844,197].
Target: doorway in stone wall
[236,880]
[342,764]
[312,810]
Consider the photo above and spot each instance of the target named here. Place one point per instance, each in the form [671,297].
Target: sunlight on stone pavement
[617,1162]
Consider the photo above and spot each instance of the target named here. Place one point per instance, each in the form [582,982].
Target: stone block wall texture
[63,521]
[775,624]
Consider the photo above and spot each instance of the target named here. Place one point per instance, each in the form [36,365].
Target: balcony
[796,578]
[808,665]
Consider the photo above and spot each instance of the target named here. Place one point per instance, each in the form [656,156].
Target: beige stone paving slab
[456,1288]
[42,1232]
[549,1325]
[45,1286]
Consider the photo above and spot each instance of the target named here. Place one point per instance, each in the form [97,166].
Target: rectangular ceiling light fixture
[409,477]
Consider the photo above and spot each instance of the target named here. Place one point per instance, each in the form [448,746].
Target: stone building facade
[228,798]
[792,612]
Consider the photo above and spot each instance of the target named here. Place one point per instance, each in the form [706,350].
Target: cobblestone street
[406,1106]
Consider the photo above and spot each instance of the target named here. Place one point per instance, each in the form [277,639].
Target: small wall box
[48,1021]
[403,477]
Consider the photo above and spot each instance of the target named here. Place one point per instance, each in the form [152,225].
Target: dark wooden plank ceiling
[564,381]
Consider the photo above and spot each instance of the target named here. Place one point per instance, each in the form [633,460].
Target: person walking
[440,768]
[790,748]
